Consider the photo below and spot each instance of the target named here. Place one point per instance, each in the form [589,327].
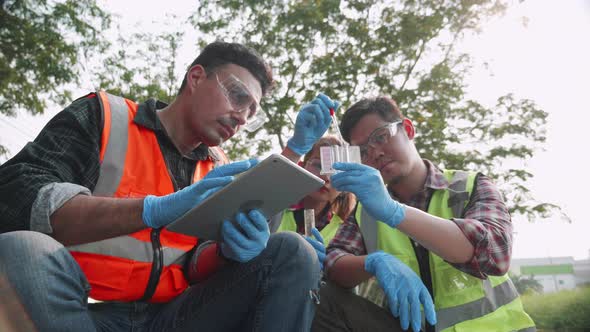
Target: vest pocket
[109,277]
[172,283]
[178,279]
[453,287]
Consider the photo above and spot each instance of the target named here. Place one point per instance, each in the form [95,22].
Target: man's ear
[195,75]
[409,128]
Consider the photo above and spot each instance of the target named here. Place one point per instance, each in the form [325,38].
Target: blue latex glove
[367,184]
[312,122]
[247,239]
[160,211]
[318,245]
[404,289]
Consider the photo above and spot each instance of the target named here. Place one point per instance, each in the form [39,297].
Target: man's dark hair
[385,107]
[221,53]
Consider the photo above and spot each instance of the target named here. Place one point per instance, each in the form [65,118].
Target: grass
[567,310]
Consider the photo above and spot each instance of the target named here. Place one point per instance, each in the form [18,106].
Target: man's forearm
[441,236]
[290,154]
[85,219]
[349,271]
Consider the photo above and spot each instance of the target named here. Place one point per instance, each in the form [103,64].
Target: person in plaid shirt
[396,186]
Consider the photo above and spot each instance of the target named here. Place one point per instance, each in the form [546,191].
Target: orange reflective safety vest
[146,265]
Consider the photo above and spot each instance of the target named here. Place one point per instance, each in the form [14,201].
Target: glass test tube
[308,221]
[336,128]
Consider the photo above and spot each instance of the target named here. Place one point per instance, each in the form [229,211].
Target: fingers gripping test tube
[332,154]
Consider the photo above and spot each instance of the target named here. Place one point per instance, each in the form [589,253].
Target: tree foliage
[142,69]
[43,44]
[405,49]
[526,285]
[41,50]
[348,49]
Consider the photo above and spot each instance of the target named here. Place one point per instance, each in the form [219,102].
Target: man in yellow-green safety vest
[437,242]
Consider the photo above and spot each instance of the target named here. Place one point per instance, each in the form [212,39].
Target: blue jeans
[273,292]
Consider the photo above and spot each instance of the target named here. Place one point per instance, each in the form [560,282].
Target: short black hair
[385,107]
[220,53]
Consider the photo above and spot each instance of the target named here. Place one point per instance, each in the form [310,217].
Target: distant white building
[554,273]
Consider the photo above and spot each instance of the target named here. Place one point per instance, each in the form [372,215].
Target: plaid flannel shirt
[486,223]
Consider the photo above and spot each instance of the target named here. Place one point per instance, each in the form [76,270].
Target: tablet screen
[271,186]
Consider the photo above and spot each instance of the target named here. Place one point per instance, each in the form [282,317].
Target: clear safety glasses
[378,138]
[314,166]
[241,100]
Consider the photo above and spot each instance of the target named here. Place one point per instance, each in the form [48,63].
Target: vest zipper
[157,265]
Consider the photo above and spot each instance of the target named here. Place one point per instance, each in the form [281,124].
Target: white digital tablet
[271,186]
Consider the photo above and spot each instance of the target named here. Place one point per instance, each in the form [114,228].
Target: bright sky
[547,61]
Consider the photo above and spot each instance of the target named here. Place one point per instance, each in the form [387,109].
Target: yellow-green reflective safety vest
[462,302]
[288,223]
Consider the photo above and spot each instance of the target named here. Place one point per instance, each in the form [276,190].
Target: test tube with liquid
[335,153]
[336,128]
[343,153]
[308,221]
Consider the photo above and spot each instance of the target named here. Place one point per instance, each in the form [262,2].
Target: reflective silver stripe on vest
[495,297]
[130,248]
[458,194]
[111,172]
[369,231]
[275,221]
[111,169]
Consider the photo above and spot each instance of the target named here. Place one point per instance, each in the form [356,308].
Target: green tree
[526,285]
[142,69]
[405,49]
[42,45]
